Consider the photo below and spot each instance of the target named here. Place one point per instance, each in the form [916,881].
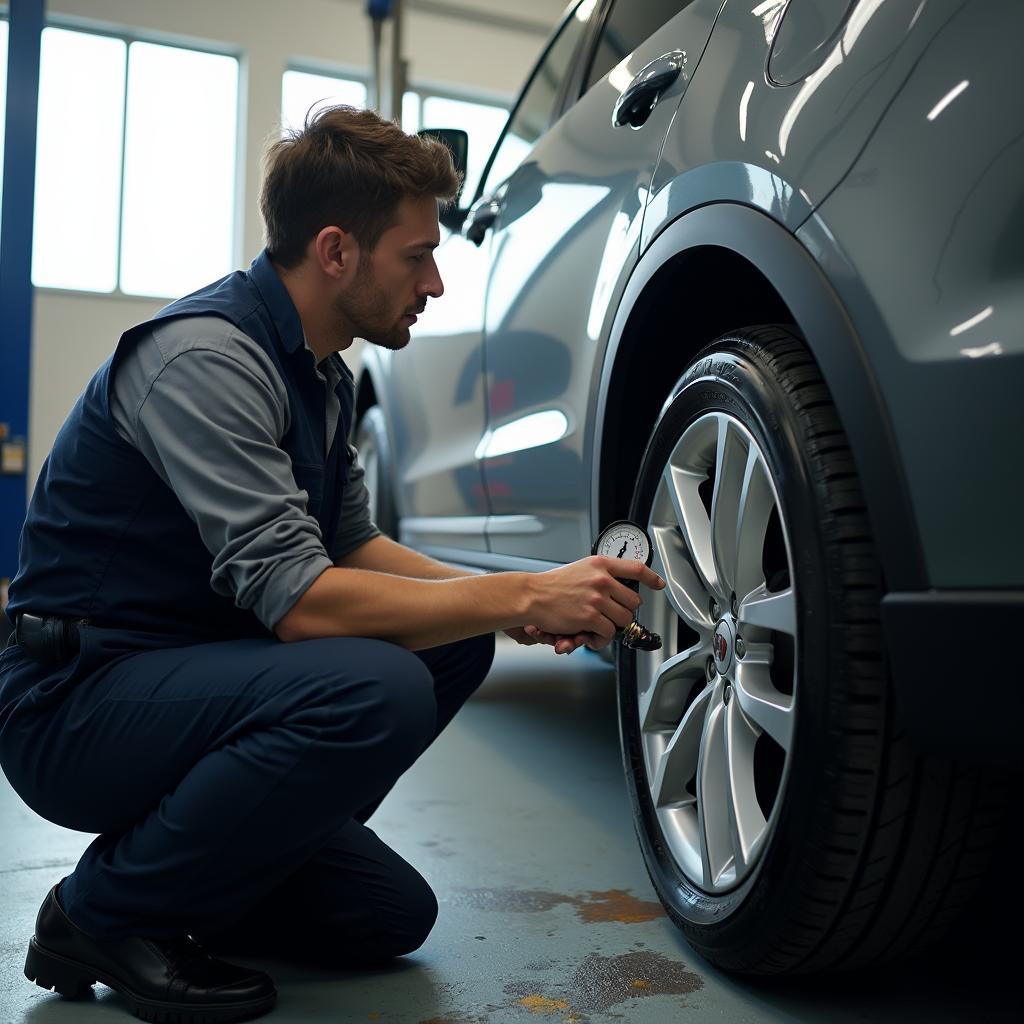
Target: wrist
[527,590]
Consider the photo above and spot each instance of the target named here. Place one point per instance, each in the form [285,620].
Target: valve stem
[640,638]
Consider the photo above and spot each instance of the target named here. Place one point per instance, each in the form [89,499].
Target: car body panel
[941,306]
[575,204]
[435,408]
[739,138]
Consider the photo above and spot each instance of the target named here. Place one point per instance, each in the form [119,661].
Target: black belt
[50,640]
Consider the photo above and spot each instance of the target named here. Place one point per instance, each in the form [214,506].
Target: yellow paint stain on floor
[639,983]
[541,1004]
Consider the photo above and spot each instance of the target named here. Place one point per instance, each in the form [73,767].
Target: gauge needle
[622,550]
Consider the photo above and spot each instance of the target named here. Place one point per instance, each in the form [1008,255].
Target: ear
[336,252]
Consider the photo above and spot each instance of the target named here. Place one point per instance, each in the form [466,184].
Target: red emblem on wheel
[721,647]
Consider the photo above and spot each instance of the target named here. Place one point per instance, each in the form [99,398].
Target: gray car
[749,273]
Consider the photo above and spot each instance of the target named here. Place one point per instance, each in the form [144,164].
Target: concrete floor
[519,819]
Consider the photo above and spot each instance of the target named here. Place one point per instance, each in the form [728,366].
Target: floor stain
[602,982]
[594,907]
[523,901]
[542,1004]
[617,905]
[455,1020]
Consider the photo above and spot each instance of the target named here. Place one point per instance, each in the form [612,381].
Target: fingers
[629,569]
[623,595]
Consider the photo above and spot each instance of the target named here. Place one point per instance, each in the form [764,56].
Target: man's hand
[521,635]
[584,604]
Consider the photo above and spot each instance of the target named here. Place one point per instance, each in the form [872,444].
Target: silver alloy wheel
[713,709]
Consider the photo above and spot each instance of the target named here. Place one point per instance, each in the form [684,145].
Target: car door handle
[640,97]
[481,217]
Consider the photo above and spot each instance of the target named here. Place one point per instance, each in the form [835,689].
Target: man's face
[393,283]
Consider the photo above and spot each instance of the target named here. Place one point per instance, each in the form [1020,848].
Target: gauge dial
[624,539]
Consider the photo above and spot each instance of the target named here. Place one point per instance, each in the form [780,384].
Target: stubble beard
[362,309]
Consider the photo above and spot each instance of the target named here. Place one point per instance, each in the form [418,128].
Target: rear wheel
[375,456]
[785,821]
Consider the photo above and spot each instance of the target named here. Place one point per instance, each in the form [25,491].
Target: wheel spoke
[746,822]
[678,763]
[683,588]
[662,701]
[682,487]
[730,465]
[756,504]
[769,610]
[761,703]
[712,787]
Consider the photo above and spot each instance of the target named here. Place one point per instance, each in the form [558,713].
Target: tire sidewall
[734,378]
[372,425]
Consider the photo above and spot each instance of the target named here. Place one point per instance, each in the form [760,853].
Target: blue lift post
[26,25]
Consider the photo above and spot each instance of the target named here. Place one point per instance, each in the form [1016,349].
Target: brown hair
[349,168]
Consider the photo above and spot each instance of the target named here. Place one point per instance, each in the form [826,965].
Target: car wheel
[375,456]
[786,824]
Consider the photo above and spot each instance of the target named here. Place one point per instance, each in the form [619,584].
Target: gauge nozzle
[640,638]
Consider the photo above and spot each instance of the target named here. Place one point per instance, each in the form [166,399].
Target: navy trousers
[230,784]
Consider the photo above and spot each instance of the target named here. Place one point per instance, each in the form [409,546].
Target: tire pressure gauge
[623,539]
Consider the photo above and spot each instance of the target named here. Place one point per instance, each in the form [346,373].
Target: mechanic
[219,664]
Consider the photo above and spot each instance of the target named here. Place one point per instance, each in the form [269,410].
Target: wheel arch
[747,269]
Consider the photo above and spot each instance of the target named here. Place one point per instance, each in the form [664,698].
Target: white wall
[74,332]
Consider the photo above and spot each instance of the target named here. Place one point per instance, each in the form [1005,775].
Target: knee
[403,928]
[375,694]
[418,919]
[402,690]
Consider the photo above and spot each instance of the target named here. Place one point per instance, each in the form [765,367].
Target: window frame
[561,104]
[71,23]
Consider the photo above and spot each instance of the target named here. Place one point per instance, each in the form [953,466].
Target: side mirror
[457,142]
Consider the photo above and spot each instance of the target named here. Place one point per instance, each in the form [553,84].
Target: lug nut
[716,611]
[741,647]
[709,669]
[727,695]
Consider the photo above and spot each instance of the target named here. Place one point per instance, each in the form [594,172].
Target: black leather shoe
[164,980]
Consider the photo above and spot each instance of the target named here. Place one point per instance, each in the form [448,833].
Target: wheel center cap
[722,644]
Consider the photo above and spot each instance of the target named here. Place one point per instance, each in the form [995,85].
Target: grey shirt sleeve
[206,407]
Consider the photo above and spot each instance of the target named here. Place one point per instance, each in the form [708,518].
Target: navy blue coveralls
[228,775]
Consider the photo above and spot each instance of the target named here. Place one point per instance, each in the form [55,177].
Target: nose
[433,286]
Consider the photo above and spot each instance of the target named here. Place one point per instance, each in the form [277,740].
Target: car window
[628,24]
[536,109]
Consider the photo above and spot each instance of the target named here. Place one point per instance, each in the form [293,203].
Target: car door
[568,216]
[436,409]
[437,404]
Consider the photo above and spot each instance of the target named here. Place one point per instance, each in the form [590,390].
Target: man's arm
[582,597]
[382,554]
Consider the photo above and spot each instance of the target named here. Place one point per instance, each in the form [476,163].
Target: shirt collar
[283,311]
[278,302]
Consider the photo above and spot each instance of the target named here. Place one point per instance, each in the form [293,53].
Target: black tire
[874,850]
[371,441]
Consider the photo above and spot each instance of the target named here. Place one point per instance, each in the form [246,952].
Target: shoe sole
[73,980]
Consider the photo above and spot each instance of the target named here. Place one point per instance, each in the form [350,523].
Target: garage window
[305,92]
[482,122]
[135,165]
